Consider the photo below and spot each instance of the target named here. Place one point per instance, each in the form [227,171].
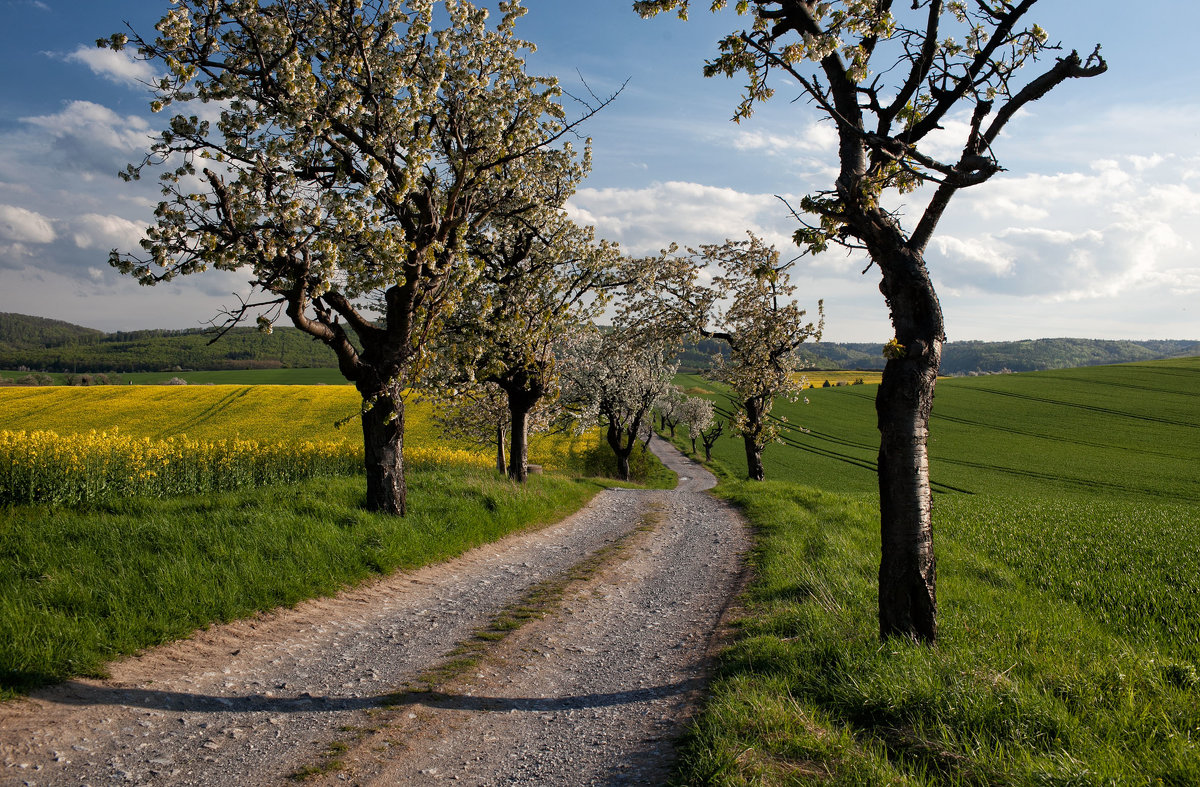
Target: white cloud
[119,67]
[94,124]
[815,138]
[94,231]
[25,226]
[647,219]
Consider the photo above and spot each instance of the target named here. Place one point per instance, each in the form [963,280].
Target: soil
[595,692]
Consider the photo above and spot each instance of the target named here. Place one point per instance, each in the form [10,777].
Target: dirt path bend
[591,694]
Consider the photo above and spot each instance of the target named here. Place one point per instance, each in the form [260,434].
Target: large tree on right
[889,77]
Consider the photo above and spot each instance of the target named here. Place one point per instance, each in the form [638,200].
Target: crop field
[1069,587]
[81,445]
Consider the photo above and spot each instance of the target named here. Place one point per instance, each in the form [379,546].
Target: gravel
[594,693]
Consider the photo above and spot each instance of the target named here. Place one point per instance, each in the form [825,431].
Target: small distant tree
[613,380]
[696,413]
[479,415]
[888,76]
[709,438]
[541,278]
[670,409]
[750,307]
[358,146]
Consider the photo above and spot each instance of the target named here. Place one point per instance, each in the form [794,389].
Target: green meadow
[1069,588]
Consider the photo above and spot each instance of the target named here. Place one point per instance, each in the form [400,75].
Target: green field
[1069,589]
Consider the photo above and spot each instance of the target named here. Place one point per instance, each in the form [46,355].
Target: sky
[1092,230]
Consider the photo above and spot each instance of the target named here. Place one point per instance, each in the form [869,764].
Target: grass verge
[1043,673]
[81,587]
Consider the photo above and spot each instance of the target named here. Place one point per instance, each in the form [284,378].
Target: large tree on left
[357,146]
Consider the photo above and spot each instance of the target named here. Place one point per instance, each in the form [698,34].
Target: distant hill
[1029,355]
[22,331]
[43,345]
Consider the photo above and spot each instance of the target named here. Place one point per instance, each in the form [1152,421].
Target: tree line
[44,345]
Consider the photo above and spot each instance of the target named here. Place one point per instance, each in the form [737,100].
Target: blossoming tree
[617,380]
[888,76]
[357,146]
[541,278]
[749,306]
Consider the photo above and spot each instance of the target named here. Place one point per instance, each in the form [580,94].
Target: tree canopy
[357,145]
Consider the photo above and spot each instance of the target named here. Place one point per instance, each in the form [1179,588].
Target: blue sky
[1093,231]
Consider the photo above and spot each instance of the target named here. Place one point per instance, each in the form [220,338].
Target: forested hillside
[21,331]
[1029,355]
[44,345]
[52,346]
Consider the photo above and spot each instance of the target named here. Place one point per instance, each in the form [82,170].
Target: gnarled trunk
[383,443]
[755,412]
[524,388]
[518,452]
[907,569]
[621,449]
[754,464]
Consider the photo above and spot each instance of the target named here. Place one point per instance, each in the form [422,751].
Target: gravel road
[594,693]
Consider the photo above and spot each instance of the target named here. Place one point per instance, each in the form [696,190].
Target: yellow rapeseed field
[78,445]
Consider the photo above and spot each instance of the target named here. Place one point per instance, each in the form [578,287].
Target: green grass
[78,588]
[1069,590]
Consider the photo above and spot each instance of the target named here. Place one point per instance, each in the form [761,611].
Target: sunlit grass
[1069,641]
[79,587]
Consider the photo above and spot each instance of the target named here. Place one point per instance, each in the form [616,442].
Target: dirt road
[593,693]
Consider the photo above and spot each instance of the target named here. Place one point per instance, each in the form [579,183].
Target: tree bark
[620,451]
[500,463]
[754,407]
[524,388]
[518,452]
[907,570]
[754,465]
[383,442]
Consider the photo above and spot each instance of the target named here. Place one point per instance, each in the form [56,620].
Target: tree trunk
[524,388]
[500,463]
[383,443]
[755,408]
[620,451]
[754,465]
[693,445]
[907,569]
[518,453]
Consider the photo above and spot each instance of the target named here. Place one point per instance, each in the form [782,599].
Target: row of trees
[397,191]
[402,184]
